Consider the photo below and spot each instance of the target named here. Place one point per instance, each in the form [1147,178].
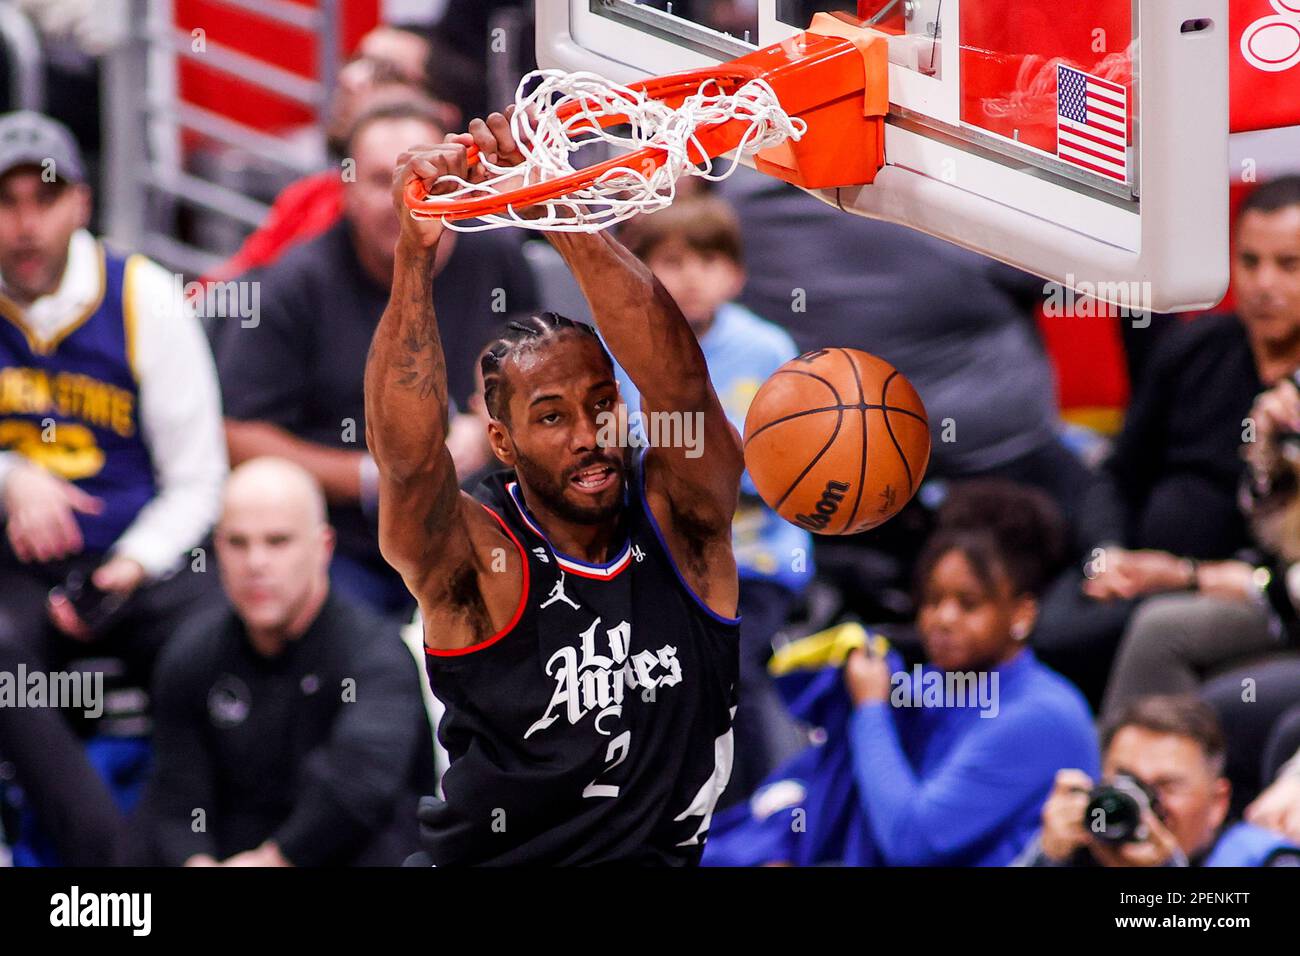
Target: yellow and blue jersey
[71,403]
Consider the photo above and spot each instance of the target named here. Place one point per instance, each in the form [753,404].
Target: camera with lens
[1116,809]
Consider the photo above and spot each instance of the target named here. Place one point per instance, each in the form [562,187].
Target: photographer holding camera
[1162,799]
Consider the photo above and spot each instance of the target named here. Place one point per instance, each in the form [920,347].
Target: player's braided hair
[523,334]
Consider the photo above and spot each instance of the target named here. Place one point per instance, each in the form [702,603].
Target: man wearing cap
[111,465]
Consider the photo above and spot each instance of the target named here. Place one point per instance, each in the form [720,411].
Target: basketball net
[567,111]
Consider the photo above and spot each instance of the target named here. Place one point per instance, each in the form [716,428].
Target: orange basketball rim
[834,76]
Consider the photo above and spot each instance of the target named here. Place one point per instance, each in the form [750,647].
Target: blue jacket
[900,784]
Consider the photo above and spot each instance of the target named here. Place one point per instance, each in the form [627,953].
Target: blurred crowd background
[1110,520]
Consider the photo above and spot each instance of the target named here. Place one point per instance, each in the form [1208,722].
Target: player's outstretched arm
[651,339]
[455,560]
[692,485]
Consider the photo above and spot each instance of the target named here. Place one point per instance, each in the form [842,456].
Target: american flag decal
[1092,123]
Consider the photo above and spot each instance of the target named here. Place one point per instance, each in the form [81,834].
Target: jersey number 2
[614,756]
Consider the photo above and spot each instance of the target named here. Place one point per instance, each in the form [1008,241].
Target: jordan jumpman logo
[557,594]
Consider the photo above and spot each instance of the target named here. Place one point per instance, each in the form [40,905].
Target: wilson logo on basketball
[829,504]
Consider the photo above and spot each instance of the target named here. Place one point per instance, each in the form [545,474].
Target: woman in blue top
[947,764]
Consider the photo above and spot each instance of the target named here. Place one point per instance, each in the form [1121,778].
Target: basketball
[837,441]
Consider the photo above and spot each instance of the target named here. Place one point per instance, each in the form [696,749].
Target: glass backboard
[1028,131]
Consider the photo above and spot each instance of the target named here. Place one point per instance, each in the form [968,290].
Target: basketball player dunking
[579,613]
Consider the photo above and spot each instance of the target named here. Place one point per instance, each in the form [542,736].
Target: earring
[1019,630]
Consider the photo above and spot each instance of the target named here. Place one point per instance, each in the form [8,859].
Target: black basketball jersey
[596,727]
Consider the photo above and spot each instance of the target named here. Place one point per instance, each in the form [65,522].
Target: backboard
[1086,143]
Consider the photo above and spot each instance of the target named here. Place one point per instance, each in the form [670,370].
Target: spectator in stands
[392,64]
[293,385]
[1174,747]
[391,55]
[948,764]
[387,49]
[1181,456]
[1180,452]
[1238,624]
[1230,610]
[694,249]
[292,721]
[111,468]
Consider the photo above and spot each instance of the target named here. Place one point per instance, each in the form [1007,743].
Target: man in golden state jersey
[111,465]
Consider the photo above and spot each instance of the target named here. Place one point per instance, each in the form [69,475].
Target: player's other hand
[496,143]
[494,138]
[429,165]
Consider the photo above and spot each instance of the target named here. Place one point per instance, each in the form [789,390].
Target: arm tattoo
[420,365]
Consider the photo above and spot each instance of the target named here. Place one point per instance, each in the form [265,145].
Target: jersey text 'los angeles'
[597,726]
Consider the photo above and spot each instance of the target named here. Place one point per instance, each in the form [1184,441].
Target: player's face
[37,220]
[699,282]
[1193,797]
[1266,272]
[965,624]
[273,556]
[563,398]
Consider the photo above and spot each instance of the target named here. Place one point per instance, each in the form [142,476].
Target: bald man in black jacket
[290,731]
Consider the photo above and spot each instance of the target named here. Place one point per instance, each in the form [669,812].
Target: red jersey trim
[595,572]
[585,570]
[519,611]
